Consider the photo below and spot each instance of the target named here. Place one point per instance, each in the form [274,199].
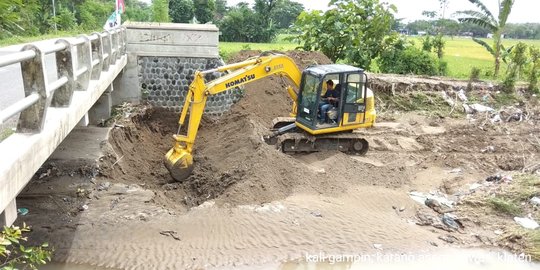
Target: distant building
[422,33]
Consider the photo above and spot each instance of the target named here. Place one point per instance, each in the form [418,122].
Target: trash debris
[535,201]
[475,186]
[378,246]
[489,149]
[494,178]
[173,234]
[462,96]
[23,211]
[498,232]
[496,119]
[104,186]
[316,214]
[480,108]
[448,99]
[451,221]
[436,206]
[456,170]
[84,207]
[421,198]
[449,239]
[527,222]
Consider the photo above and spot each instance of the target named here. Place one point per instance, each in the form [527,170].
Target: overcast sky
[410,10]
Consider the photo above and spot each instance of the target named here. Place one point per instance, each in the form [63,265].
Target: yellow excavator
[304,130]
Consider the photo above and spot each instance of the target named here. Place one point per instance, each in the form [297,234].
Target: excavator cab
[354,107]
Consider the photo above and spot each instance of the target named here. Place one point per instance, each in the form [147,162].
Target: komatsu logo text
[246,78]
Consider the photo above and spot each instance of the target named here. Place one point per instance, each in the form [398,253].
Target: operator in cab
[329,99]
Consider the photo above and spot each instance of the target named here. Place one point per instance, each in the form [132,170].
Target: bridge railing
[54,102]
[78,60]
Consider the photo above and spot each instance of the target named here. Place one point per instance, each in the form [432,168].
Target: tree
[285,13]
[486,19]
[243,24]
[181,11]
[9,18]
[160,11]
[93,14]
[137,11]
[221,10]
[351,30]
[264,9]
[14,254]
[204,10]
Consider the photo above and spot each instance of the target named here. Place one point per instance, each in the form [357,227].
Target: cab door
[354,105]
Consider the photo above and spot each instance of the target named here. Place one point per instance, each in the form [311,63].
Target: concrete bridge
[75,82]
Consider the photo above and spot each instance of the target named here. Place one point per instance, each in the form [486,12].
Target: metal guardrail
[78,60]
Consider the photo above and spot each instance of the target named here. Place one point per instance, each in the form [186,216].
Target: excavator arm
[179,160]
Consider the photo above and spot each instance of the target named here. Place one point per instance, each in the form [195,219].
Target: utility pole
[54,16]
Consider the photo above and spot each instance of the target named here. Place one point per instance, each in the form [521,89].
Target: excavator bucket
[179,162]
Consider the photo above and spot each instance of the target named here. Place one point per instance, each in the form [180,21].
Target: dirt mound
[267,98]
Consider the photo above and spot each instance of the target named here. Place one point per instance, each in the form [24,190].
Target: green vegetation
[351,31]
[181,11]
[484,18]
[13,254]
[5,133]
[160,11]
[204,10]
[504,206]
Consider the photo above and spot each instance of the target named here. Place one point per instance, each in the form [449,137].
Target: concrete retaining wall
[162,59]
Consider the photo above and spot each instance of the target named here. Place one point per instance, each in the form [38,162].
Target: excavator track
[302,142]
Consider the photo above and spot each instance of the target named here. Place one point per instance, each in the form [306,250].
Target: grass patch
[5,133]
[506,99]
[523,188]
[25,39]
[414,101]
[533,238]
[504,206]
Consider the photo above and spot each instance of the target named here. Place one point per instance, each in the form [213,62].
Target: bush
[474,76]
[534,71]
[14,254]
[400,59]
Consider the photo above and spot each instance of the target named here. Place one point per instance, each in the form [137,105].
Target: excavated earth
[248,204]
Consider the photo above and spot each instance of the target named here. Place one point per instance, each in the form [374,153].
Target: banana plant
[484,18]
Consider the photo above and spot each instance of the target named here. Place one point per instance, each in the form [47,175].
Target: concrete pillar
[102,109]
[84,121]
[9,215]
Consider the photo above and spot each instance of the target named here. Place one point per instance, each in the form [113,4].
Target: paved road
[11,85]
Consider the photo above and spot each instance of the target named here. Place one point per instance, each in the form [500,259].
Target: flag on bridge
[115,18]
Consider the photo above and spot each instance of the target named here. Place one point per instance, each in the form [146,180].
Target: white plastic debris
[480,108]
[474,186]
[527,223]
[496,119]
[535,201]
[420,197]
[456,170]
[448,99]
[462,96]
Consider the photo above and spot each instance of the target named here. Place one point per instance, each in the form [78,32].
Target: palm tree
[485,18]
